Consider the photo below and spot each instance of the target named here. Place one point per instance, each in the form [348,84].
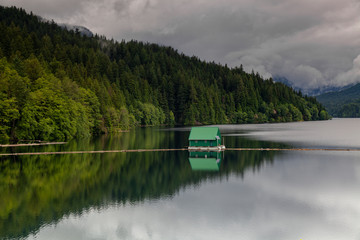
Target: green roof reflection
[208,164]
[205,161]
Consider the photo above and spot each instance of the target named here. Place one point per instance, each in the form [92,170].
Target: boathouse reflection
[205,161]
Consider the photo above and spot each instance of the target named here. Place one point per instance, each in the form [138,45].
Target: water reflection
[40,190]
[297,197]
[205,161]
[157,195]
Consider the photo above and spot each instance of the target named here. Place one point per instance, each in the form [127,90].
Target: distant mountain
[310,92]
[82,30]
[284,80]
[343,103]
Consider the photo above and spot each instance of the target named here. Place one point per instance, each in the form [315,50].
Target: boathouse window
[206,141]
[196,141]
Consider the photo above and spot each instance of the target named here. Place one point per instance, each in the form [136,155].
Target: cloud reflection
[337,133]
[311,195]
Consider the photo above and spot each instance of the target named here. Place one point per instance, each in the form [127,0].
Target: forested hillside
[345,103]
[57,84]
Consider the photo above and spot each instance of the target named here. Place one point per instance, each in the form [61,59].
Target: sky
[312,43]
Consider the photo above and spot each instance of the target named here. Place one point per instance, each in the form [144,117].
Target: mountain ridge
[70,27]
[311,92]
[344,103]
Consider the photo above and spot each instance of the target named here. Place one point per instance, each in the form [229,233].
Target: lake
[162,195]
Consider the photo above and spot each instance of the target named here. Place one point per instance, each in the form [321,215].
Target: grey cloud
[121,6]
[312,43]
[350,76]
[49,9]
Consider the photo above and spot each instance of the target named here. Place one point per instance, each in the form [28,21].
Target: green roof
[204,133]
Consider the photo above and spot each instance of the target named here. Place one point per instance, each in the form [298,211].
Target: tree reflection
[38,190]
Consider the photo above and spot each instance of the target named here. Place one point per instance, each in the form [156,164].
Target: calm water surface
[157,195]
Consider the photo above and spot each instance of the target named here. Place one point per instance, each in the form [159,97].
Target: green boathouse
[204,137]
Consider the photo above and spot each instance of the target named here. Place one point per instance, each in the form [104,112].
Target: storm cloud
[315,44]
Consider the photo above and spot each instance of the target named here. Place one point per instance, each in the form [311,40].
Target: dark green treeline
[57,84]
[344,103]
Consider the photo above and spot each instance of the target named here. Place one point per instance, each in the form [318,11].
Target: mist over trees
[57,84]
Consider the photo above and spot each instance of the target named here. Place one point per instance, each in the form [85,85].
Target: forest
[348,110]
[344,103]
[57,84]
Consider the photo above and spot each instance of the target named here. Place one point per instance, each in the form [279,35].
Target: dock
[207,149]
